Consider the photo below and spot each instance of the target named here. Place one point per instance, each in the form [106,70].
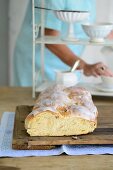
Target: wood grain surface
[103,134]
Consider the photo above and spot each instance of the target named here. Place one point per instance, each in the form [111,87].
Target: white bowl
[66,78]
[97,31]
[107,81]
[70,17]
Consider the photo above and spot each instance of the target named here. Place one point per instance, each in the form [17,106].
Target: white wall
[17,10]
[3,42]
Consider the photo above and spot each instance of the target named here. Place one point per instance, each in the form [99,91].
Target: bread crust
[61,111]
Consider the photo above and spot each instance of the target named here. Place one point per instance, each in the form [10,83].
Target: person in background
[57,56]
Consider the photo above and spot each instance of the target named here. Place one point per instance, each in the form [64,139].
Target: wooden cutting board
[103,134]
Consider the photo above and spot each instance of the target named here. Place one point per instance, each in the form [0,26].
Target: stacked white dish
[97,32]
[106,84]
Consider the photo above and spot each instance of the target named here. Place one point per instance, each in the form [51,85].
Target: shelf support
[42,40]
[33,50]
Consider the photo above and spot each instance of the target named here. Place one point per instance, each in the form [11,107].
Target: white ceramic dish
[71,17]
[94,91]
[97,32]
[100,87]
[107,82]
[66,78]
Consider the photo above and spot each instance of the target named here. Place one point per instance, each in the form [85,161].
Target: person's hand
[110,36]
[97,69]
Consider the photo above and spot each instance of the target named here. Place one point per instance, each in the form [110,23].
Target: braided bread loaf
[62,111]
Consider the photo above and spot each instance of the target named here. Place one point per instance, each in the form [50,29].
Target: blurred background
[11,17]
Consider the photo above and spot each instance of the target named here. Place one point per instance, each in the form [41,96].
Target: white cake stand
[71,17]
